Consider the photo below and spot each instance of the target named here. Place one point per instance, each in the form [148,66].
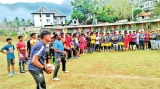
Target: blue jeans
[153,44]
[157,44]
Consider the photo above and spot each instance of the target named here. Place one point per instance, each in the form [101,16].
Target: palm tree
[29,22]
[17,21]
[5,21]
[23,22]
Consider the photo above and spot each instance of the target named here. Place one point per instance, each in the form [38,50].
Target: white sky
[14,1]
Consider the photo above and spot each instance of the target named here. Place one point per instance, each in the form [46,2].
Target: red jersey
[68,41]
[130,37]
[21,46]
[147,36]
[126,41]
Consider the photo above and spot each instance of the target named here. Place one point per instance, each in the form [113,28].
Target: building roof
[143,13]
[44,10]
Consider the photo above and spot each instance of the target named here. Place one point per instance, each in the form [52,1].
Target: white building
[145,5]
[44,17]
[143,16]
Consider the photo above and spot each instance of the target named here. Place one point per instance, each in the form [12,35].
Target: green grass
[123,70]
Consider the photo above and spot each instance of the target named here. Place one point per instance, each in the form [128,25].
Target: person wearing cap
[60,55]
[36,65]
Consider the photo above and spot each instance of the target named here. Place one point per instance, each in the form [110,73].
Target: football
[50,67]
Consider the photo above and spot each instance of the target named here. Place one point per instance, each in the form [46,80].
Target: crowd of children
[80,43]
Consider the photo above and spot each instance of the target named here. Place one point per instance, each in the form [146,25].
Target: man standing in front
[59,55]
[37,57]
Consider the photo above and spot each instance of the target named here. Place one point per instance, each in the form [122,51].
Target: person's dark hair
[44,33]
[119,31]
[32,34]
[54,33]
[8,39]
[19,37]
[55,36]
[38,36]
[134,31]
[74,35]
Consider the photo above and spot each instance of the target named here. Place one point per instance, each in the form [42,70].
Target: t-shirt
[110,36]
[10,50]
[157,36]
[153,35]
[93,39]
[137,37]
[47,47]
[68,41]
[141,35]
[130,37]
[134,37]
[39,50]
[115,39]
[21,47]
[108,39]
[147,36]
[97,40]
[120,38]
[102,39]
[59,46]
[33,41]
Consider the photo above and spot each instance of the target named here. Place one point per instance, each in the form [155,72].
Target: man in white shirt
[97,42]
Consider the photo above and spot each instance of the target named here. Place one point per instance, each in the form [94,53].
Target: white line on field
[117,76]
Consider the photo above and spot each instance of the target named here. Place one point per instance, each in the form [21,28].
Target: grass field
[123,70]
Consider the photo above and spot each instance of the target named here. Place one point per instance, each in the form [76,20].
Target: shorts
[146,41]
[130,43]
[23,60]
[133,43]
[108,44]
[10,62]
[102,44]
[120,43]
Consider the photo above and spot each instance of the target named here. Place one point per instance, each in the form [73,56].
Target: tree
[157,11]
[83,10]
[16,21]
[121,8]
[136,12]
[23,22]
[5,21]
[28,22]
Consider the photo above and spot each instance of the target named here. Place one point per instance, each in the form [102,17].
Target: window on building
[55,22]
[40,20]
[48,20]
[142,17]
[47,15]
[61,18]
[40,15]
[61,22]
[55,18]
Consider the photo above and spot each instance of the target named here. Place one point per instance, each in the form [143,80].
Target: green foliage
[82,9]
[89,22]
[14,33]
[136,12]
[134,19]
[156,10]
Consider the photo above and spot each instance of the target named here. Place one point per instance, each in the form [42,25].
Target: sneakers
[9,74]
[65,71]
[14,73]
[55,79]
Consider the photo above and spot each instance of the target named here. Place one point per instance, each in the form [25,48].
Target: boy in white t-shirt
[97,42]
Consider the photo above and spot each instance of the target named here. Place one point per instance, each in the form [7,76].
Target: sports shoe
[55,79]
[14,73]
[65,71]
[76,57]
[9,74]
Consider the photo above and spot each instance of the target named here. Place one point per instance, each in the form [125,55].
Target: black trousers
[68,53]
[58,62]
[39,78]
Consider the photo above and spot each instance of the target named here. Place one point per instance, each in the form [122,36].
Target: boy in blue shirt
[141,40]
[10,56]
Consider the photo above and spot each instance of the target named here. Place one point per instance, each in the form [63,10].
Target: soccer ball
[50,67]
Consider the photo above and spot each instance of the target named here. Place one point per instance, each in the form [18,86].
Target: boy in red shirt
[147,36]
[22,54]
[130,40]
[126,41]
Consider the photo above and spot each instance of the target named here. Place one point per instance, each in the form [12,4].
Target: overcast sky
[14,1]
